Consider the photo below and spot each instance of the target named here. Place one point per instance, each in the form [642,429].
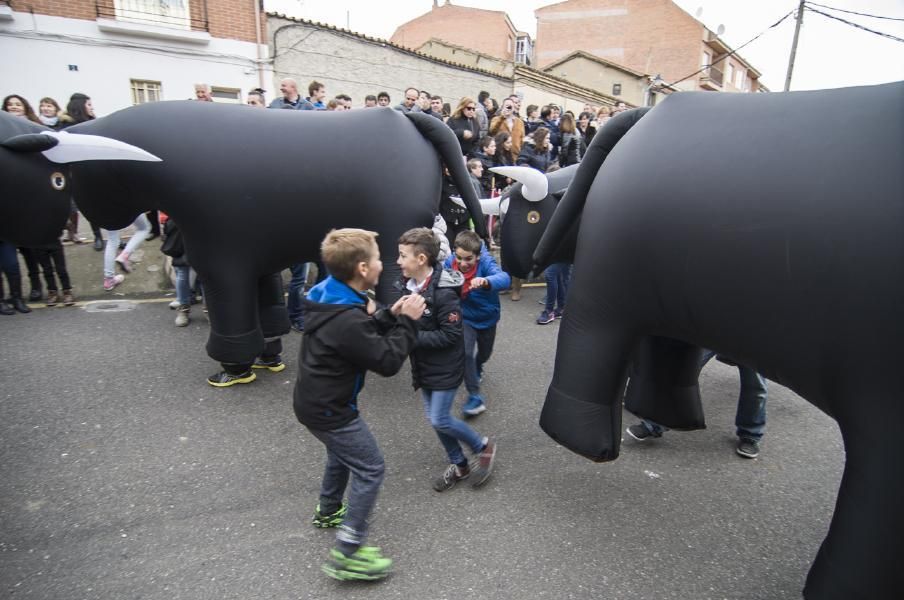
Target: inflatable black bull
[254,191]
[766,228]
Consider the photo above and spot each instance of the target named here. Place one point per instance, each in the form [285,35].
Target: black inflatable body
[765,228]
[255,191]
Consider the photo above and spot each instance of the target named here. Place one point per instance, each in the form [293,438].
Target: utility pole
[800,19]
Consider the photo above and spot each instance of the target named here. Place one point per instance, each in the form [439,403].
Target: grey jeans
[351,450]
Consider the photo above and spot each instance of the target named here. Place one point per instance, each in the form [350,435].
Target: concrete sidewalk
[86,270]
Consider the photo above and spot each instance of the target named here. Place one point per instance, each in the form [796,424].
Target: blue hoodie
[480,308]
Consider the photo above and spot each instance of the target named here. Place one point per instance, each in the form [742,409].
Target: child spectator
[346,336]
[438,360]
[480,309]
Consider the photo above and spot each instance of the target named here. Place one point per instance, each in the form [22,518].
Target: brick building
[124,52]
[649,36]
[489,32]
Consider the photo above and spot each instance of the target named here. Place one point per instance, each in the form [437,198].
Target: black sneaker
[274,365]
[224,379]
[748,448]
[452,475]
[641,432]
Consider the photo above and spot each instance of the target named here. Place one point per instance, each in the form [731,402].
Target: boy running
[345,336]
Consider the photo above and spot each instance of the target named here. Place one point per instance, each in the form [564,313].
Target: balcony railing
[177,14]
[712,78]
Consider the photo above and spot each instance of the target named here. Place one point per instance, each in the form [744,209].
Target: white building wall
[38,50]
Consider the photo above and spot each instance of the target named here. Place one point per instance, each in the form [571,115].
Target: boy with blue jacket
[480,309]
[345,336]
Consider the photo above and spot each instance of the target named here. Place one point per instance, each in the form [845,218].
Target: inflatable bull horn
[533,182]
[65,147]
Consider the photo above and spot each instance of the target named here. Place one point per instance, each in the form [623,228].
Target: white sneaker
[182,317]
[174,305]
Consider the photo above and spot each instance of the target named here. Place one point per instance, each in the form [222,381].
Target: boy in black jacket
[438,360]
[345,336]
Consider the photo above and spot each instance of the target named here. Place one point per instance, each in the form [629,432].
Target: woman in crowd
[586,128]
[49,113]
[18,106]
[463,123]
[535,151]
[573,148]
[79,110]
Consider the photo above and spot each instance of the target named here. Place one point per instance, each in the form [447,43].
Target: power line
[773,26]
[852,12]
[857,25]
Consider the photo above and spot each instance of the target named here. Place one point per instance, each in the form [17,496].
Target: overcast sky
[830,54]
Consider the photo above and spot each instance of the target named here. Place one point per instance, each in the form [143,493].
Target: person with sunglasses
[464,123]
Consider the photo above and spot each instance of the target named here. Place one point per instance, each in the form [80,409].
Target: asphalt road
[124,475]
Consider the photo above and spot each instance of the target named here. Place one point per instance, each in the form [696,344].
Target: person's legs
[9,264]
[142,230]
[450,430]
[110,250]
[34,273]
[296,289]
[183,294]
[472,382]
[42,256]
[353,447]
[183,284]
[750,419]
[486,340]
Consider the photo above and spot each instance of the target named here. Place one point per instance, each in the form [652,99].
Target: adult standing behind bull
[245,216]
[507,121]
[290,97]
[80,110]
[463,123]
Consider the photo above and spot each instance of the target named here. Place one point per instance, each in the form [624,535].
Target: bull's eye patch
[533,217]
[58,181]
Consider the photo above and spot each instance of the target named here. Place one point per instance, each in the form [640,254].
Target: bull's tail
[449,150]
[571,206]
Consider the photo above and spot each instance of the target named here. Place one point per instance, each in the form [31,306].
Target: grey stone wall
[349,64]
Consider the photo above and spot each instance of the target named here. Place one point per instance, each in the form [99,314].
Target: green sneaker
[366,564]
[334,520]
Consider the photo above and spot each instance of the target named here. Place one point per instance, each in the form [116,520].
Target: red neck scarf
[469,275]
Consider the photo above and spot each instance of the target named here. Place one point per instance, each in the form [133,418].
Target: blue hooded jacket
[480,308]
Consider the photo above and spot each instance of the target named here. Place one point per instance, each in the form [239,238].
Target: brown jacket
[517,132]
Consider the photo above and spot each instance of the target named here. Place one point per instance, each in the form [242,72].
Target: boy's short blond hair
[423,241]
[342,250]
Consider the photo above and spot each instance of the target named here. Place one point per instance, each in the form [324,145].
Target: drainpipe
[257,31]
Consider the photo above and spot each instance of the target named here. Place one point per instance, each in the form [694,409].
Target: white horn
[534,185]
[489,206]
[75,147]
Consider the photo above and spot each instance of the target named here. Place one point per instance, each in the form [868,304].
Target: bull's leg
[583,404]
[663,386]
[862,553]
[236,337]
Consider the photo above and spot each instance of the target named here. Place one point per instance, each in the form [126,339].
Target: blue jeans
[351,450]
[750,419]
[478,348]
[558,276]
[183,285]
[449,430]
[9,264]
[296,289]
